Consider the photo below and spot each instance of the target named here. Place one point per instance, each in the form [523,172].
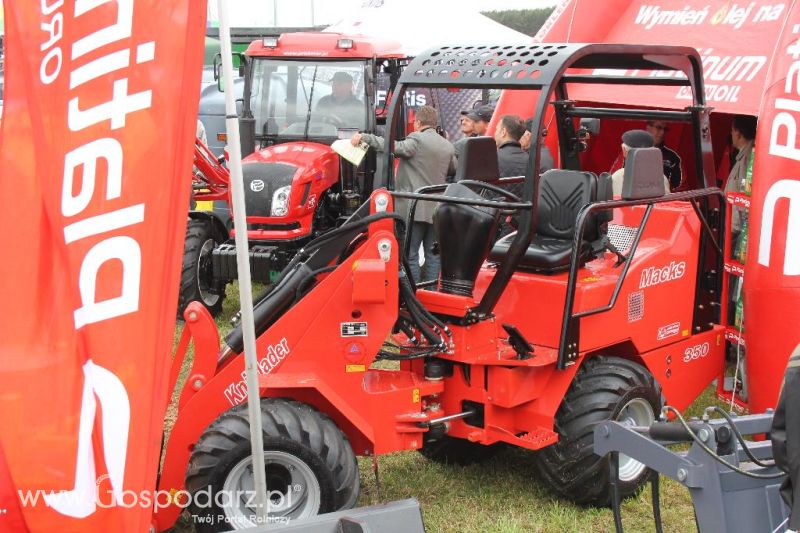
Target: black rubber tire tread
[288,426]
[450,450]
[197,233]
[602,386]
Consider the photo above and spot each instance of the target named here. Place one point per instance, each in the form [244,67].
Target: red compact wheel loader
[302,92]
[596,308]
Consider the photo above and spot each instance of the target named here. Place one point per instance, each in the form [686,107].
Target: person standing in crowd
[474,123]
[546,161]
[426,158]
[743,135]
[632,139]
[512,160]
[672,161]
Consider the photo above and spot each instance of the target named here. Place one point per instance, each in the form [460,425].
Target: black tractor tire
[604,388]
[450,450]
[197,283]
[298,432]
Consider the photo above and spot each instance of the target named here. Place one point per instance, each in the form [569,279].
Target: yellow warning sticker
[591,279]
[415,396]
[685,333]
[355,368]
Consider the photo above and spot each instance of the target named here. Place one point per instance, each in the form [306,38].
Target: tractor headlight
[280,201]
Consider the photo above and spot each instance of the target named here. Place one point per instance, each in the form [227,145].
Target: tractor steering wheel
[334,120]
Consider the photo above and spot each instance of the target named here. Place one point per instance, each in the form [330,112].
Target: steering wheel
[330,118]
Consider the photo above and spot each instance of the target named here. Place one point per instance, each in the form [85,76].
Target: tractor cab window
[315,99]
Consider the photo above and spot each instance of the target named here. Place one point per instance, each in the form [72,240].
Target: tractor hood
[283,184]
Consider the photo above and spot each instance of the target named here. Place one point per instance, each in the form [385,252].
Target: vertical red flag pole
[243,267]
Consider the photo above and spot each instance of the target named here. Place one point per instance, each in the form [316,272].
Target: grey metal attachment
[402,516]
[725,500]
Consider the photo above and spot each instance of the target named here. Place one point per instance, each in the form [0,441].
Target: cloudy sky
[254,13]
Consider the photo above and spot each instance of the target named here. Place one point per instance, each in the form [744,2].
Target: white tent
[422,24]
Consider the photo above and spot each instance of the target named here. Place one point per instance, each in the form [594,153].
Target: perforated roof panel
[536,65]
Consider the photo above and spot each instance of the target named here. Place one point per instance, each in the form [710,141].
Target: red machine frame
[306,356]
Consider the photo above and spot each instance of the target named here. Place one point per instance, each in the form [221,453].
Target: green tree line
[527,21]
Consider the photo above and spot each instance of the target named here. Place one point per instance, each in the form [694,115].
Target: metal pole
[243,268]
[275,13]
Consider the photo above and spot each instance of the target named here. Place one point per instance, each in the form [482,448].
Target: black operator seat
[478,160]
[562,194]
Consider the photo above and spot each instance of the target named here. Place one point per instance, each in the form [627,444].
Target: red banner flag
[95,150]
[772,272]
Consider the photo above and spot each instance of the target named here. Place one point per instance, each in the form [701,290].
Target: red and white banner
[735,41]
[772,272]
[95,159]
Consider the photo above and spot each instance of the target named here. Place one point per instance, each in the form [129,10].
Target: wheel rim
[293,490]
[637,412]
[205,274]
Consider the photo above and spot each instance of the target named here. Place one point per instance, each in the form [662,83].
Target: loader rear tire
[605,388]
[310,467]
[197,280]
[450,450]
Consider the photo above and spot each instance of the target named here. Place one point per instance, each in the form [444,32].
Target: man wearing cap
[342,103]
[546,161]
[672,161]
[632,139]
[426,158]
[474,123]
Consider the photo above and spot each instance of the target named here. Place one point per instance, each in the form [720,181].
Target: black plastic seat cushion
[544,254]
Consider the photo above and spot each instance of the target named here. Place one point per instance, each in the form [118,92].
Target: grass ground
[502,494]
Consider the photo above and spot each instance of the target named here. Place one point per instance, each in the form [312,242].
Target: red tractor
[595,309]
[302,92]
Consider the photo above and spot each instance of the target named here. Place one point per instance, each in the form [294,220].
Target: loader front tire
[197,279]
[310,467]
[605,388]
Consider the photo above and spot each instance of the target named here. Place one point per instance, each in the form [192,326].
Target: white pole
[243,268]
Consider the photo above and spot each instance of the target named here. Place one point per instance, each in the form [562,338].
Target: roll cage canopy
[550,68]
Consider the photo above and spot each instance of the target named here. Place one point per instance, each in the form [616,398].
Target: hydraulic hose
[740,438]
[714,455]
[656,497]
[613,465]
[361,223]
[268,310]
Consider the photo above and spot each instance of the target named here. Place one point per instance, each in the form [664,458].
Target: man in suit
[426,158]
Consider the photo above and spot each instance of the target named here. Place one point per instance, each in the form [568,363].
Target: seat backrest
[562,193]
[605,192]
[644,174]
[478,160]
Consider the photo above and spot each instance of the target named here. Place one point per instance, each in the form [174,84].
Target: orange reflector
[222,137]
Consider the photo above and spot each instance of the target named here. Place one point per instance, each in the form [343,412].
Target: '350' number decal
[695,352]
